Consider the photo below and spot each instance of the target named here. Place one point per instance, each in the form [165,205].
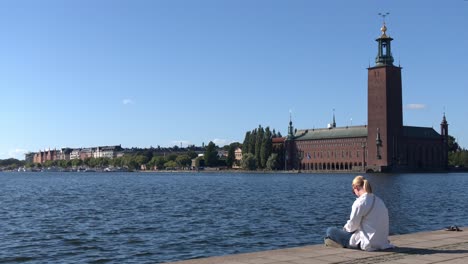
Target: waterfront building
[237,158]
[107,151]
[78,153]
[43,156]
[384,144]
[75,154]
[64,154]
[86,153]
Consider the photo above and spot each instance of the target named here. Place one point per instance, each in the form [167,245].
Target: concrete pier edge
[423,247]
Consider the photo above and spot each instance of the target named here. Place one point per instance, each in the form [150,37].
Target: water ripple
[155,218]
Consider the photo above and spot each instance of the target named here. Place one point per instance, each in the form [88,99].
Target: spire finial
[383,29]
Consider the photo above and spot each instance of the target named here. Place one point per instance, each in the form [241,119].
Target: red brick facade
[382,145]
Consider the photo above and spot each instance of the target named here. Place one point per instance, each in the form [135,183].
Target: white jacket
[371,230]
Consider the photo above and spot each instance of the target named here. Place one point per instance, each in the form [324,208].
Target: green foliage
[259,143]
[231,155]
[132,164]
[272,162]
[253,138]
[11,164]
[50,163]
[452,144]
[266,148]
[170,164]
[246,144]
[172,157]
[249,162]
[258,146]
[158,162]
[101,162]
[211,155]
[459,158]
[76,162]
[192,154]
[141,159]
[183,161]
[199,162]
[117,162]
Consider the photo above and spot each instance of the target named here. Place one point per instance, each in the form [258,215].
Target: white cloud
[415,106]
[221,142]
[127,101]
[17,153]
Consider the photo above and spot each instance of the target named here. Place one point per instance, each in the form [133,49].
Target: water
[158,217]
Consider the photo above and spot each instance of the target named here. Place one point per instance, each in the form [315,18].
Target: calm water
[154,218]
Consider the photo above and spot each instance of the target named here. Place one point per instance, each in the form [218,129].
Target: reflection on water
[158,217]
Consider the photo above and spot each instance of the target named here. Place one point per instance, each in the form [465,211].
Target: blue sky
[147,73]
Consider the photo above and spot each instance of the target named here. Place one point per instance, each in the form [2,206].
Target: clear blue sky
[146,73]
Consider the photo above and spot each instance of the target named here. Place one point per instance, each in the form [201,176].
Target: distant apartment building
[107,152]
[43,156]
[64,154]
[75,154]
[78,153]
[86,153]
[237,158]
[238,154]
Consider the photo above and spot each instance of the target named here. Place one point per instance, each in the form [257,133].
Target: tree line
[257,150]
[457,156]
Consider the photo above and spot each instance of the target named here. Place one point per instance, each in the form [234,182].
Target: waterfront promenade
[424,247]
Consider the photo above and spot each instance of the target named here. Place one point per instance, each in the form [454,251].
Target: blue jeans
[339,235]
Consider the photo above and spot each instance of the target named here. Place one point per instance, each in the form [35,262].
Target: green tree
[452,144]
[183,161]
[132,164]
[246,144]
[464,158]
[158,161]
[192,154]
[170,164]
[117,162]
[272,162]
[258,145]
[199,162]
[249,162]
[211,155]
[77,162]
[172,157]
[141,160]
[231,155]
[87,162]
[50,163]
[253,138]
[266,147]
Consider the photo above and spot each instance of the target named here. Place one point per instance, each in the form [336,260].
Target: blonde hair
[363,183]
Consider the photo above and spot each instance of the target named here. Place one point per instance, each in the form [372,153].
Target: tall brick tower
[384,106]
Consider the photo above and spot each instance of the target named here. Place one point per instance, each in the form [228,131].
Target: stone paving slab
[424,247]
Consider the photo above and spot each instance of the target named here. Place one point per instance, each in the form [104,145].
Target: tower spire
[384,54]
[334,123]
[290,128]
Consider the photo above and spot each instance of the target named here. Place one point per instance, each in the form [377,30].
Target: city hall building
[384,144]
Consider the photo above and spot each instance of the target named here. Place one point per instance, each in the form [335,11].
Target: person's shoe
[330,243]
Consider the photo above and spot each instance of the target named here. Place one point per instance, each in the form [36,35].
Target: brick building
[384,144]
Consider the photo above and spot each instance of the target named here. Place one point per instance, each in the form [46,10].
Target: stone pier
[424,247]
